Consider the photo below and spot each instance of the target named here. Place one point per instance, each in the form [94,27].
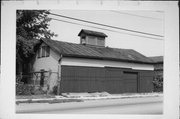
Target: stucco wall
[101,63]
[48,64]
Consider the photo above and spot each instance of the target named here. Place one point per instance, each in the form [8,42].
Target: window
[92,40]
[44,51]
[39,53]
[47,51]
[83,40]
[100,42]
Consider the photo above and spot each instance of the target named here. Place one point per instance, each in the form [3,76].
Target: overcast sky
[142,21]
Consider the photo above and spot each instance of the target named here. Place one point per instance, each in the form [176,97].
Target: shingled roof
[104,53]
[157,59]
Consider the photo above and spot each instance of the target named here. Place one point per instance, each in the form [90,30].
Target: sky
[151,22]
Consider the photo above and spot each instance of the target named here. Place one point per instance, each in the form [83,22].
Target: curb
[83,98]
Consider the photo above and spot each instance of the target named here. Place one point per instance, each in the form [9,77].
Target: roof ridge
[88,45]
[61,41]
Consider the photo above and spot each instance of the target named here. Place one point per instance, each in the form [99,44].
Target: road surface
[145,105]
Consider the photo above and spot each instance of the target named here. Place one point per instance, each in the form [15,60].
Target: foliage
[39,91]
[158,84]
[28,89]
[55,88]
[24,89]
[30,26]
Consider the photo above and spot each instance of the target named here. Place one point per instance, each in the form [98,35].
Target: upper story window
[83,40]
[44,51]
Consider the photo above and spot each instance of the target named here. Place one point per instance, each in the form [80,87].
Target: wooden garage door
[130,82]
[112,80]
[82,79]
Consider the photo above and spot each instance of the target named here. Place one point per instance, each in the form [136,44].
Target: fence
[33,78]
[38,80]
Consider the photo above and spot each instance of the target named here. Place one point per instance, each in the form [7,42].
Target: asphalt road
[147,105]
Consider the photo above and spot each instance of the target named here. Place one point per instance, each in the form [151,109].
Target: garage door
[82,79]
[114,80]
[130,82]
[98,79]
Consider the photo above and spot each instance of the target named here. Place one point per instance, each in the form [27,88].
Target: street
[146,105]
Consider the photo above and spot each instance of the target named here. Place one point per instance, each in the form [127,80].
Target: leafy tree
[31,25]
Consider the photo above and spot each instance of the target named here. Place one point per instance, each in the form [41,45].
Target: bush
[24,89]
[55,88]
[158,84]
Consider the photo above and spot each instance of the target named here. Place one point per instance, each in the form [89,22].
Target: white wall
[47,63]
[101,63]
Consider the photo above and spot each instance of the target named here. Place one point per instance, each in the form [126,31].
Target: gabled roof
[104,53]
[93,33]
[157,59]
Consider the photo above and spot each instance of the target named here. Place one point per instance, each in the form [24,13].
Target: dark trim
[116,67]
[95,33]
[133,72]
[158,69]
[161,62]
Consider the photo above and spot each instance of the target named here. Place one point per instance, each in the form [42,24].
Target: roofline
[158,62]
[82,30]
[96,57]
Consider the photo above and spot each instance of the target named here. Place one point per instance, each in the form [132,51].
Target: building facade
[92,67]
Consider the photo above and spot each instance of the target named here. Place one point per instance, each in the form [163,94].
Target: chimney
[93,38]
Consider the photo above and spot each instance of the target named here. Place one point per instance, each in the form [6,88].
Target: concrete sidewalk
[77,97]
[110,106]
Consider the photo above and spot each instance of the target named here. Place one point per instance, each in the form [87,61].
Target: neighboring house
[158,71]
[91,67]
[158,65]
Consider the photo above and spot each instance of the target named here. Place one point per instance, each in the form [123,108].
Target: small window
[83,37]
[100,42]
[47,51]
[39,53]
[44,51]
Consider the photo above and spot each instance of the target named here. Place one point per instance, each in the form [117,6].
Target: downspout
[59,74]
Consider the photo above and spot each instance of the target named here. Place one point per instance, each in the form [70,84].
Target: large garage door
[82,79]
[130,82]
[112,80]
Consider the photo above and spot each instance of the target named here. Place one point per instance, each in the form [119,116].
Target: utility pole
[59,75]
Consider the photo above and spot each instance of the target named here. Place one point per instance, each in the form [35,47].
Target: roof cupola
[94,38]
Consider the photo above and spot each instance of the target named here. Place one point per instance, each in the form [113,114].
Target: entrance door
[130,82]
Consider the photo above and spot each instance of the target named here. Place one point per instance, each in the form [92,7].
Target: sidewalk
[80,97]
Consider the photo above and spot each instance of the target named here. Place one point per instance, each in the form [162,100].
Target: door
[130,82]
[82,79]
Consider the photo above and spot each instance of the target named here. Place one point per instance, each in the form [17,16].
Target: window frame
[44,51]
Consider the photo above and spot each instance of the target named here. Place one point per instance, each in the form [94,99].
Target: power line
[105,29]
[106,25]
[119,12]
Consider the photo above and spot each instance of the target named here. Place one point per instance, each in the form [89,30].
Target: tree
[31,25]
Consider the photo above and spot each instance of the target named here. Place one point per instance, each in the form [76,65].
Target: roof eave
[83,31]
[105,58]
